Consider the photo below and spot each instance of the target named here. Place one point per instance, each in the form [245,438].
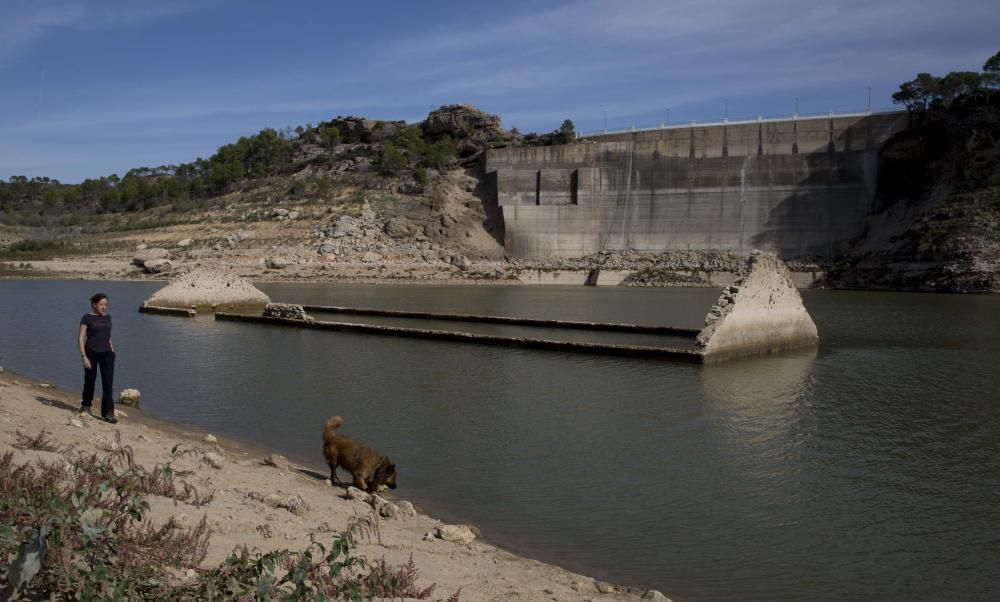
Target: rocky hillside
[939,226]
[353,195]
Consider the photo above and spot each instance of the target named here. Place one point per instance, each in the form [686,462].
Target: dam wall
[798,187]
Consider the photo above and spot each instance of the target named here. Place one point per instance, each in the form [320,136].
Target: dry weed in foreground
[38,442]
[76,528]
[316,573]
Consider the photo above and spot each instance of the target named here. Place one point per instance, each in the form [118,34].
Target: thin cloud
[23,23]
[667,25]
[129,115]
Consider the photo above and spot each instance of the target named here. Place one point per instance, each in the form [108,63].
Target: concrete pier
[207,289]
[167,311]
[760,313]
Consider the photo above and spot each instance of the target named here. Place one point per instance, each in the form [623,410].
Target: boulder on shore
[157,266]
[129,397]
[276,263]
[208,287]
[143,255]
[456,533]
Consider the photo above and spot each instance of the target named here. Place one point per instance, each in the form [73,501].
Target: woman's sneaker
[86,410]
[111,418]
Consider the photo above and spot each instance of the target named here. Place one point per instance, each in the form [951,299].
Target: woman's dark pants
[106,362]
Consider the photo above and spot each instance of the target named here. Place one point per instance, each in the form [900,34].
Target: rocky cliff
[938,224]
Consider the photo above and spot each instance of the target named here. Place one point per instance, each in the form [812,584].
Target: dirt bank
[243,511]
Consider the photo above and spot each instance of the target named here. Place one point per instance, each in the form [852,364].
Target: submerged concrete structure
[797,187]
[760,313]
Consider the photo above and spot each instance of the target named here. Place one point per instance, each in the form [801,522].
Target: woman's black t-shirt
[98,332]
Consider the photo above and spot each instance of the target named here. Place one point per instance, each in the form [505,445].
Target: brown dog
[369,468]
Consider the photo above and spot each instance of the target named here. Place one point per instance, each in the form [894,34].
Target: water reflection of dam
[797,187]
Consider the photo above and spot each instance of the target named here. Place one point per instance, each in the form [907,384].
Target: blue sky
[97,87]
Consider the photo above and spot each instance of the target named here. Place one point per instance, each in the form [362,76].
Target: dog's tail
[330,429]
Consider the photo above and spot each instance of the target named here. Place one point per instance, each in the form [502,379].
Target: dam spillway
[799,187]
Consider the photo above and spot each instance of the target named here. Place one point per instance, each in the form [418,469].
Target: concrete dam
[800,187]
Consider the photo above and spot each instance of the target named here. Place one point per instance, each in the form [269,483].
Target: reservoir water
[866,469]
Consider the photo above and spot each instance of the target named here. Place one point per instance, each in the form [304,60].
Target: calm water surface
[869,469]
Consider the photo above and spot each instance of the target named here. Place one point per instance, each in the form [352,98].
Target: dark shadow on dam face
[494,220]
[824,208]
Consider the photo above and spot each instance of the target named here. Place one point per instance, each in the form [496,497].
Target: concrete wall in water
[797,187]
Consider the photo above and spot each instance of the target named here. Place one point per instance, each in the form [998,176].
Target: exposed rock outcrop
[157,266]
[143,255]
[398,227]
[208,287]
[344,226]
[462,121]
[276,263]
[360,130]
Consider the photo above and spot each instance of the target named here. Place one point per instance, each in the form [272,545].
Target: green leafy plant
[420,175]
[441,153]
[76,528]
[35,246]
[391,160]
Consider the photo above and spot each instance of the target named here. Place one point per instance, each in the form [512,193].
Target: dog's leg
[332,461]
[359,481]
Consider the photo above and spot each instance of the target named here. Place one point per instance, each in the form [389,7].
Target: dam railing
[741,121]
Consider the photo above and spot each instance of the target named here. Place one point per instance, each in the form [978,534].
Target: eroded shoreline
[239,517]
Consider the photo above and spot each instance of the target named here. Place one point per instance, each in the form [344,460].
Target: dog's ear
[382,470]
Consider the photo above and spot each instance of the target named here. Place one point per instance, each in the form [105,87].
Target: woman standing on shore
[97,350]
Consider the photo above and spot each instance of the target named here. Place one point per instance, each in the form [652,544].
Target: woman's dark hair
[97,298]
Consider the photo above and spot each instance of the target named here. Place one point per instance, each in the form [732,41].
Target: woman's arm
[79,345]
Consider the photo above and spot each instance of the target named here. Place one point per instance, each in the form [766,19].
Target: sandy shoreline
[241,515]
